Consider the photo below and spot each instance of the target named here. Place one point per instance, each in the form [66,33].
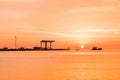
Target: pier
[44,45]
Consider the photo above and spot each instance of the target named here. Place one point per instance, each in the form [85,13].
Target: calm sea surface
[60,65]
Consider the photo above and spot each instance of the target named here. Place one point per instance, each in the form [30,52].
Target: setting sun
[82,46]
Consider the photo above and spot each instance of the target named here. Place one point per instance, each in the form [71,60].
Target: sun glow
[82,46]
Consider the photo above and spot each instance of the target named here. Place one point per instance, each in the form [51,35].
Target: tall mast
[15,42]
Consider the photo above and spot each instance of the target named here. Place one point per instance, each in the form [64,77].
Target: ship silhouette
[95,48]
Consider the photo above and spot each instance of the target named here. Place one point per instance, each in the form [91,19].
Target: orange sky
[69,22]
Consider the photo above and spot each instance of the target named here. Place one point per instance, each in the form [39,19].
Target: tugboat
[95,48]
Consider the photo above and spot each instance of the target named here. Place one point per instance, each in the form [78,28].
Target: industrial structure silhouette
[43,46]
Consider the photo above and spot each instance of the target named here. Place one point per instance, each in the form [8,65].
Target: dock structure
[46,44]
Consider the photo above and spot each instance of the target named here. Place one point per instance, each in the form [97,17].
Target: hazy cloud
[68,35]
[20,0]
[13,13]
[98,31]
[111,1]
[92,9]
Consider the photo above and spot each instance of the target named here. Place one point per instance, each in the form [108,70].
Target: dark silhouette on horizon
[41,48]
[44,45]
[95,48]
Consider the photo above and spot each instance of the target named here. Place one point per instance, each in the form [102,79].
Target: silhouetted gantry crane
[46,47]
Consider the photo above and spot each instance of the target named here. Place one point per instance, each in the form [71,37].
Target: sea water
[60,65]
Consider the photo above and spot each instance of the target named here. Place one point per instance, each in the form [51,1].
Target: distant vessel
[95,48]
[77,49]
